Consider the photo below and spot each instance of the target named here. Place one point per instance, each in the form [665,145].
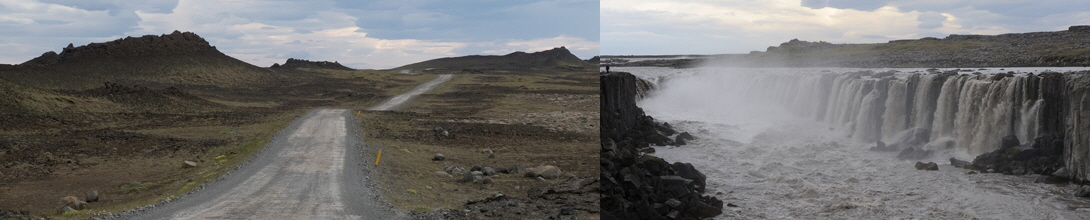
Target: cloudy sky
[740,26]
[359,34]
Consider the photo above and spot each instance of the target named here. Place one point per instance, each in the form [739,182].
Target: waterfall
[973,111]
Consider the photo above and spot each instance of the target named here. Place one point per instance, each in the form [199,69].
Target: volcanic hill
[558,57]
[176,58]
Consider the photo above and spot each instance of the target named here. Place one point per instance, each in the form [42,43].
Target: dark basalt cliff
[639,186]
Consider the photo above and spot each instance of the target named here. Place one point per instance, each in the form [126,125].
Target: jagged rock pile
[293,63]
[1043,156]
[148,45]
[637,186]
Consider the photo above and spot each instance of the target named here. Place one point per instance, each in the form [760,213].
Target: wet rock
[685,136]
[1062,172]
[678,141]
[1084,191]
[926,166]
[658,139]
[439,157]
[1049,180]
[92,196]
[488,171]
[1009,141]
[959,163]
[913,153]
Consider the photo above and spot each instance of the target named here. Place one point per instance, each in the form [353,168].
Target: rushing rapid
[792,142]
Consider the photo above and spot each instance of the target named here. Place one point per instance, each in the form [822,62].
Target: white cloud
[737,26]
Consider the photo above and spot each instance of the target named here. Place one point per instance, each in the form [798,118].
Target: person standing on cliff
[607,68]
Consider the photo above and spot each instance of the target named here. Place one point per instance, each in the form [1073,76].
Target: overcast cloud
[740,26]
[359,34]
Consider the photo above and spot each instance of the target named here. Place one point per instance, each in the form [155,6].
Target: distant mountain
[558,57]
[176,58]
[293,63]
[594,60]
[1055,48]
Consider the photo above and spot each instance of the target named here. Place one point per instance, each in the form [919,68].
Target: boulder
[439,157]
[1084,191]
[487,180]
[959,163]
[467,177]
[475,168]
[685,136]
[926,166]
[514,169]
[67,209]
[92,196]
[546,172]
[687,171]
[488,171]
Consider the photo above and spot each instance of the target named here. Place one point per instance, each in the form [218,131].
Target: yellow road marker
[379,157]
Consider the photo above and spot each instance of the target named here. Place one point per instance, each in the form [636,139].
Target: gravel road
[398,100]
[313,169]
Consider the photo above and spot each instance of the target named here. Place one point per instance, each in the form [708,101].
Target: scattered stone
[487,151]
[673,202]
[441,173]
[926,166]
[476,172]
[439,157]
[67,209]
[540,179]
[190,163]
[547,172]
[491,155]
[487,180]
[76,203]
[475,168]
[467,177]
[92,196]
[488,171]
[516,169]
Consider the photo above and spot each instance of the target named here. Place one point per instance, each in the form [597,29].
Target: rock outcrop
[558,57]
[638,186]
[148,45]
[293,63]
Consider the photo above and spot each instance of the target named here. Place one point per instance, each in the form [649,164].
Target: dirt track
[311,170]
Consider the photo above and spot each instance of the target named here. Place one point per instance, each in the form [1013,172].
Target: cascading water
[792,143]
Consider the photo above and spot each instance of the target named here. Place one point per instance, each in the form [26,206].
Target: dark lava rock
[475,168]
[1020,160]
[926,166]
[92,196]
[488,171]
[439,157]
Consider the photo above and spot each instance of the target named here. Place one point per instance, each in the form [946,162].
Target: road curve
[313,169]
[396,101]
